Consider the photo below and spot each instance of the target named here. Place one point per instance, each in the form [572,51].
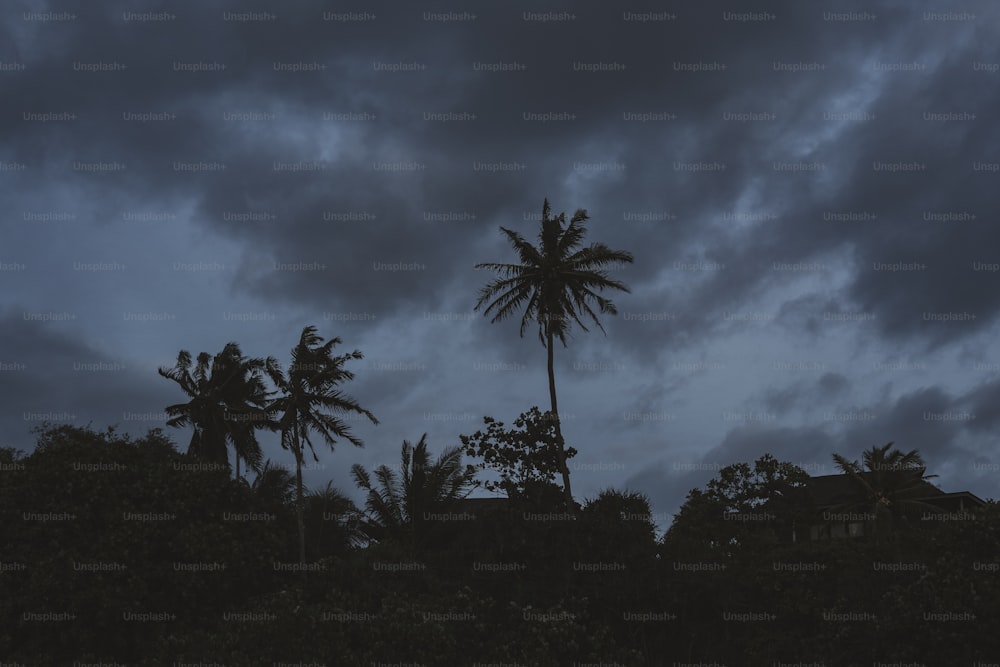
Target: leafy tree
[617,528]
[741,505]
[550,612]
[555,283]
[620,520]
[10,455]
[226,406]
[309,400]
[401,504]
[97,523]
[889,483]
[525,456]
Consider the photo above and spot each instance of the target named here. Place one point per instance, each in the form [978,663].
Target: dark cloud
[50,376]
[833,267]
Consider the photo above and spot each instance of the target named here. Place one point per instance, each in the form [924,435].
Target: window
[856,529]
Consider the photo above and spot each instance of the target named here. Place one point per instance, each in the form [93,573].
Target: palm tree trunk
[570,507]
[298,498]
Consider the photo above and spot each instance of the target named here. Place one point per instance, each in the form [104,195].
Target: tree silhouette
[398,504]
[138,474]
[275,484]
[336,525]
[524,456]
[554,283]
[765,492]
[308,400]
[63,511]
[888,483]
[227,406]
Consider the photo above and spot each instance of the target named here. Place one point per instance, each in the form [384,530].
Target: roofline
[867,472]
[954,494]
[964,493]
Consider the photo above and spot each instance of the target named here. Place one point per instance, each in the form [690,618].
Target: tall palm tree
[308,400]
[403,503]
[554,283]
[889,483]
[227,405]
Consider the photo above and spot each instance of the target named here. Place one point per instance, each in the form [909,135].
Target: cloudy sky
[809,191]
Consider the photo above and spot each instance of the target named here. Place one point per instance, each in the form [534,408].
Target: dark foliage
[142,555]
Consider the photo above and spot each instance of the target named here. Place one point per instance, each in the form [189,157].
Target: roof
[830,490]
[835,490]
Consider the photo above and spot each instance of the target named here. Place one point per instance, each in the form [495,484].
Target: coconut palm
[404,503]
[275,484]
[889,483]
[227,406]
[555,283]
[308,400]
[334,521]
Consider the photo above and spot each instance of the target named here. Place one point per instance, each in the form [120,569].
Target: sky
[808,190]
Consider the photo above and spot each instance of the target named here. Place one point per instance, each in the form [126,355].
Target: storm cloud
[808,191]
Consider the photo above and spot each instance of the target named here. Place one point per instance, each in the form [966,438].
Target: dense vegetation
[138,554]
[122,550]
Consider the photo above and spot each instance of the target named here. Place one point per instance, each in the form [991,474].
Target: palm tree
[404,504]
[308,400]
[227,406]
[554,283]
[335,522]
[275,484]
[889,483]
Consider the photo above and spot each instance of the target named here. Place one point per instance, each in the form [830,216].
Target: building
[838,506]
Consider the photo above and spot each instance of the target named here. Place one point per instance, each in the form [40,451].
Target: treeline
[120,550]
[125,550]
